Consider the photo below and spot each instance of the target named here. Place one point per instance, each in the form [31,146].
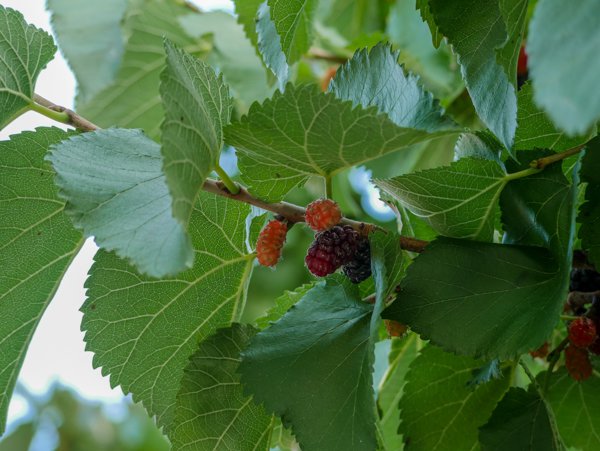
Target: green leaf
[374,78]
[481,299]
[353,19]
[589,213]
[211,410]
[476,30]
[24,51]
[91,40]
[232,55]
[486,373]
[133,100]
[391,390]
[536,130]
[269,45]
[438,409]
[293,22]
[514,13]
[37,244]
[282,304]
[247,11]
[143,331]
[197,105]
[482,145]
[576,408]
[562,51]
[513,295]
[459,200]
[304,132]
[116,192]
[323,349]
[520,422]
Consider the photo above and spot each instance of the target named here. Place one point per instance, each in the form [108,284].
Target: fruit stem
[328,187]
[231,186]
[541,163]
[568,317]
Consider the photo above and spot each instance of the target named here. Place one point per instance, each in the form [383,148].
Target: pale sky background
[57,351]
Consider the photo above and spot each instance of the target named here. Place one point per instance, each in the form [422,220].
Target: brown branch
[320,54]
[74,119]
[292,213]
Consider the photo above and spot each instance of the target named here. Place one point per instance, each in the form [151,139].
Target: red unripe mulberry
[322,214]
[582,332]
[270,242]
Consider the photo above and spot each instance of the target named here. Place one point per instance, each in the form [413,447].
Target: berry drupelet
[332,249]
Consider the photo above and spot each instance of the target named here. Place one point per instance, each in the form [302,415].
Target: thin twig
[73,118]
[541,163]
[320,54]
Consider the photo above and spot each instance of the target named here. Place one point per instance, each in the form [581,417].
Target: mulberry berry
[586,280]
[322,214]
[541,352]
[359,268]
[331,249]
[582,332]
[394,328]
[577,362]
[270,241]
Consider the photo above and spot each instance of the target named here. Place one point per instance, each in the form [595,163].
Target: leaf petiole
[231,186]
[58,116]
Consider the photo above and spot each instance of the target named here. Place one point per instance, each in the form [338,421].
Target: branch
[320,54]
[292,213]
[71,117]
[541,163]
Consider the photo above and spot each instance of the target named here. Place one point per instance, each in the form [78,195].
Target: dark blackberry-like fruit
[584,280]
[359,268]
[582,332]
[331,249]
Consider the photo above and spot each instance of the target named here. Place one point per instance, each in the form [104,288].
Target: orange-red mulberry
[322,214]
[270,242]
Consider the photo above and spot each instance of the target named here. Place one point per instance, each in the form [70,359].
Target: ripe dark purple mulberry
[359,268]
[331,249]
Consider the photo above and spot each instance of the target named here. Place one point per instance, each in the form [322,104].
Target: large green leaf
[282,304]
[133,100]
[90,38]
[459,200]
[494,300]
[197,105]
[212,412]
[293,22]
[391,390]
[439,410]
[514,13]
[144,330]
[520,422]
[589,213]
[481,299]
[374,78]
[232,55]
[436,36]
[304,132]
[269,45]
[353,19]
[576,408]
[562,51]
[536,130]
[37,244]
[476,31]
[24,51]
[322,348]
[116,191]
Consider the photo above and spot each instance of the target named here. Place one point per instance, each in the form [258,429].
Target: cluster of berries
[334,246]
[583,331]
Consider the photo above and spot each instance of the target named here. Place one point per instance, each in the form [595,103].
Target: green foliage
[563,53]
[478,172]
[91,40]
[38,245]
[24,52]
[211,386]
[106,173]
[438,409]
[132,321]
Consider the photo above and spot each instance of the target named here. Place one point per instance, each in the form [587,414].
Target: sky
[57,351]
